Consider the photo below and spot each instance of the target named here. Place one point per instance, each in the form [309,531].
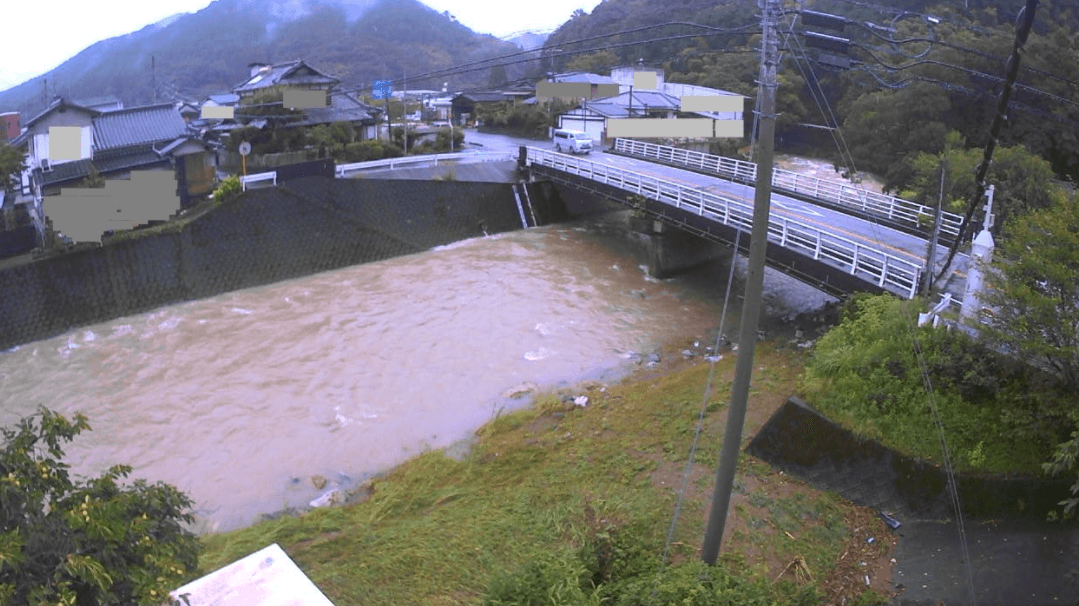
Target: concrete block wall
[266,235]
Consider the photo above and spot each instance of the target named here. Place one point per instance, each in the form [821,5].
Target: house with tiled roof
[66,142]
[105,103]
[296,75]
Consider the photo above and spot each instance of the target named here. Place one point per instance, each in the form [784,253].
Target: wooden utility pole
[747,341]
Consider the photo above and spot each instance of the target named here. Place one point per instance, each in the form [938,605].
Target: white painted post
[980,258]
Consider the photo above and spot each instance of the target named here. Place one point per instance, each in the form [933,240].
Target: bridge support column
[673,250]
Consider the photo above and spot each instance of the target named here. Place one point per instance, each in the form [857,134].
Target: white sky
[73,26]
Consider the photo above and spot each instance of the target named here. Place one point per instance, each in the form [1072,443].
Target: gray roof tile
[291,73]
[138,125]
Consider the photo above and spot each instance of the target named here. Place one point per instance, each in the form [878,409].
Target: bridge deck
[864,248]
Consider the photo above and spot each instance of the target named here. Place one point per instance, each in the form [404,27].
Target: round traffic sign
[245,148]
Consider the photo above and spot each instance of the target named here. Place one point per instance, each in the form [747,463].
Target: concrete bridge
[892,211]
[835,251]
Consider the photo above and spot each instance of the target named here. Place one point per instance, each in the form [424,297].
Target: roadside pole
[931,257]
[747,341]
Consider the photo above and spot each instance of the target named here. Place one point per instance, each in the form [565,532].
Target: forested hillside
[357,41]
[910,80]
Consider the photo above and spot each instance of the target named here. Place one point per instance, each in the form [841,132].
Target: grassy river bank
[591,491]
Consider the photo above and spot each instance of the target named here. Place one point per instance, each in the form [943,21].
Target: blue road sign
[382,89]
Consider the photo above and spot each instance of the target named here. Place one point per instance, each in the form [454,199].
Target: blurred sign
[382,89]
[265,578]
[245,148]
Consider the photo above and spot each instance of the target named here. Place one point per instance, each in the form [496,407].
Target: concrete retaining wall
[802,442]
[307,225]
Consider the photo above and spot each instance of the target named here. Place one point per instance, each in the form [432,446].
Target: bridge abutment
[672,250]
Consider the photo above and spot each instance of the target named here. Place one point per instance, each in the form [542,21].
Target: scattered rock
[714,358]
[318,482]
[637,293]
[653,359]
[337,496]
[567,398]
[798,334]
[581,400]
[687,353]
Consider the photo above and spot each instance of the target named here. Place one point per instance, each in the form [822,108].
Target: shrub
[227,190]
[552,579]
[89,543]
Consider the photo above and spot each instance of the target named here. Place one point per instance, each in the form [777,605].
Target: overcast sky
[30,51]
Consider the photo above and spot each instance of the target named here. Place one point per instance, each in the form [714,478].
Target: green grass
[436,530]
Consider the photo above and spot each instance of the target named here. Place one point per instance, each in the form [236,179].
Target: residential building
[106,103]
[296,75]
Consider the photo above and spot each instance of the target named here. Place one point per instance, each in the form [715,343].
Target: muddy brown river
[240,398]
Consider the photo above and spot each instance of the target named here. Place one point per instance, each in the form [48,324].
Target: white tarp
[267,577]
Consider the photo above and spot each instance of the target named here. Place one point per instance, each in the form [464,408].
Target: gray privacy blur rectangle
[663,128]
[607,90]
[564,90]
[65,143]
[218,113]
[84,214]
[645,80]
[303,99]
[712,103]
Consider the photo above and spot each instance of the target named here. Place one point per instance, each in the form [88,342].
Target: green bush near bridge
[998,414]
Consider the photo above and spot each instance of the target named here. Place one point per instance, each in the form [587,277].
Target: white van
[573,141]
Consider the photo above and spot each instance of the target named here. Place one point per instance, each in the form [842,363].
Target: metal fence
[825,190]
[868,263]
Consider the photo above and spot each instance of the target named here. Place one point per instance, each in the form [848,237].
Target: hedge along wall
[266,235]
[802,442]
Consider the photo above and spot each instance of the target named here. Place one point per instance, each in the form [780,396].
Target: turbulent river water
[238,399]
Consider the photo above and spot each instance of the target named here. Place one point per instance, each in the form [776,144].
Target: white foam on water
[243,311]
[540,354]
[88,336]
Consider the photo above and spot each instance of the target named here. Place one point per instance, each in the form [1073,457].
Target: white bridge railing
[343,169]
[825,190]
[893,273]
[257,177]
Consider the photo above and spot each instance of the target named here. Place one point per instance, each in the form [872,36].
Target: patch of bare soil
[868,561]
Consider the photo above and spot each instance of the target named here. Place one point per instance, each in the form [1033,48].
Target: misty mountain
[192,55]
[527,40]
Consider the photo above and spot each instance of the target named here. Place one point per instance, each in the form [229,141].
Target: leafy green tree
[597,62]
[1034,288]
[1022,181]
[1034,295]
[12,162]
[88,543]
[227,190]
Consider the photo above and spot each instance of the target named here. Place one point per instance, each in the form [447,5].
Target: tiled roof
[343,108]
[285,73]
[484,97]
[225,99]
[584,77]
[142,157]
[619,105]
[57,104]
[138,125]
[94,102]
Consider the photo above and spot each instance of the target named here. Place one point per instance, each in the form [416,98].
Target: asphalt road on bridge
[862,231]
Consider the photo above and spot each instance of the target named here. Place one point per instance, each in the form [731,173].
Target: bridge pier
[672,250]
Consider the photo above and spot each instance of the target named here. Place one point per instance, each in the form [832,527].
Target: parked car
[573,141]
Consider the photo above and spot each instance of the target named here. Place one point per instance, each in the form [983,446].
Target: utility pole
[404,108]
[747,341]
[931,258]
